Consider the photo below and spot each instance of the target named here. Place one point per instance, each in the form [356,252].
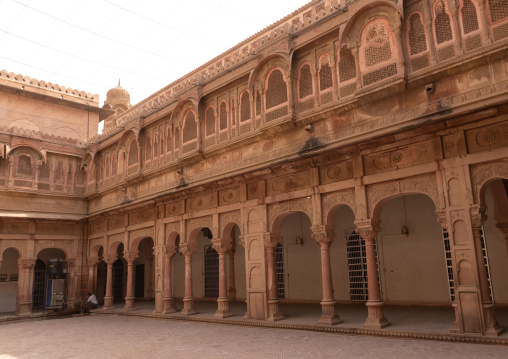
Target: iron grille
[449,264]
[211,268]
[39,289]
[357,266]
[486,262]
[279,267]
[118,281]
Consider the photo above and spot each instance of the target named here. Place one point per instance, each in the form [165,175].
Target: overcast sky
[89,45]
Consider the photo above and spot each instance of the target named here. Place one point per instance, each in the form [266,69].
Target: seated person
[91,303]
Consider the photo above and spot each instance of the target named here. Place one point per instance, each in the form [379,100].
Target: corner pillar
[168,299]
[24,296]
[130,295]
[271,241]
[108,298]
[223,310]
[188,300]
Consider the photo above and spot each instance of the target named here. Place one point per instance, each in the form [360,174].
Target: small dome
[118,93]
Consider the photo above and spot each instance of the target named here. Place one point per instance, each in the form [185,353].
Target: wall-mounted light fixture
[404,230]
[299,240]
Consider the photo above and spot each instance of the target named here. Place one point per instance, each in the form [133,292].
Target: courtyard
[114,336]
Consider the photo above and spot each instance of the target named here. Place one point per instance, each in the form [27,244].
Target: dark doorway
[211,272]
[139,289]
[118,280]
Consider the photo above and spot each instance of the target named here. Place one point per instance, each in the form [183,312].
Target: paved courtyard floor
[113,336]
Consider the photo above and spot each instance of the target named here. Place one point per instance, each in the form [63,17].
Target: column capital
[26,262]
[170,251]
[110,258]
[187,249]
[478,215]
[242,240]
[367,229]
[93,261]
[323,234]
[271,239]
[221,245]
[130,257]
[442,219]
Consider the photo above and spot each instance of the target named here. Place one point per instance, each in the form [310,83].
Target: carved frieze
[487,138]
[200,222]
[141,233]
[172,227]
[335,198]
[254,191]
[229,196]
[174,208]
[116,222]
[142,216]
[298,205]
[21,244]
[15,227]
[426,184]
[288,183]
[54,228]
[411,155]
[481,173]
[199,203]
[98,227]
[336,172]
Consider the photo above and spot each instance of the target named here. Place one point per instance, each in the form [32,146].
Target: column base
[129,304]
[492,329]
[273,311]
[329,315]
[223,309]
[23,309]
[188,306]
[375,319]
[108,304]
[169,306]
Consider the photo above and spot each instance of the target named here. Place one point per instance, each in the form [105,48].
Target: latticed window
[377,45]
[107,166]
[168,139]
[25,166]
[276,93]
[244,106]
[148,149]
[59,173]
[347,67]
[258,104]
[44,172]
[114,165]
[162,142]
[155,146]
[2,167]
[469,17]
[498,9]
[223,116]
[133,153]
[233,119]
[190,127]
[210,121]
[442,24]
[325,73]
[417,40]
[305,82]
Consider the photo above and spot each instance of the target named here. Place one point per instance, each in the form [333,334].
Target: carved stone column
[149,262]
[484,23]
[188,300]
[223,301]
[375,318]
[232,288]
[478,218]
[169,301]
[92,279]
[324,235]
[108,298]
[271,240]
[71,263]
[24,297]
[456,29]
[130,295]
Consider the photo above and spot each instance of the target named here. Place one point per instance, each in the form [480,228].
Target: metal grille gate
[39,289]
[279,267]
[118,280]
[357,266]
[211,268]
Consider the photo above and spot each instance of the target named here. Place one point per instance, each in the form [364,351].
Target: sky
[147,44]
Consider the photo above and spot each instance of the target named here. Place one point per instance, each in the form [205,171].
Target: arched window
[498,9]
[347,66]
[305,82]
[44,172]
[190,127]
[25,166]
[210,121]
[133,153]
[416,34]
[223,116]
[442,25]
[148,149]
[114,164]
[276,92]
[469,17]
[2,167]
[59,173]
[155,146]
[244,106]
[325,73]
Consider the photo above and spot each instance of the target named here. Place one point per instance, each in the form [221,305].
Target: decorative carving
[367,229]
[142,216]
[225,218]
[331,199]
[271,239]
[172,227]
[441,218]
[478,216]
[298,205]
[187,249]
[117,222]
[336,172]
[288,183]
[229,196]
[174,209]
[200,203]
[26,262]
[242,241]
[200,222]
[323,234]
[141,233]
[481,173]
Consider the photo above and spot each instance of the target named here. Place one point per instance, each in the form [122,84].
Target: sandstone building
[351,152]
